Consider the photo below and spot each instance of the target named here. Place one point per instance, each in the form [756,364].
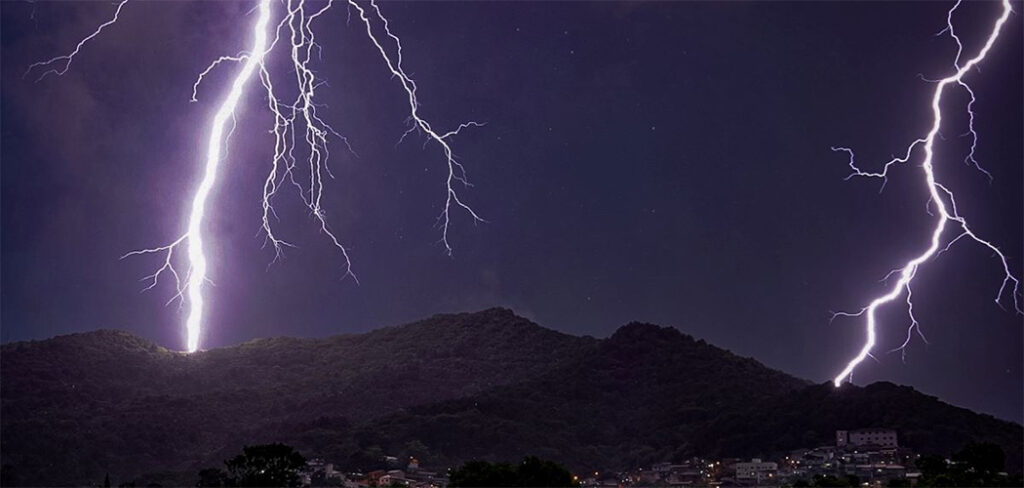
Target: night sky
[662,162]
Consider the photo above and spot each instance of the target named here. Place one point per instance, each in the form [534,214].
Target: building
[756,470]
[649,477]
[318,471]
[866,437]
[392,478]
[373,477]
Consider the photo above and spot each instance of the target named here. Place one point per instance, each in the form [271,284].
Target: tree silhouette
[531,472]
[265,466]
[212,477]
[536,472]
[983,458]
[977,464]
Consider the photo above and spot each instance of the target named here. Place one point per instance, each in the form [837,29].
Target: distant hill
[77,405]
[487,385]
[650,394]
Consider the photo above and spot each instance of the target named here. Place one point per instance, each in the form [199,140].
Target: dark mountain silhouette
[487,385]
[82,404]
[650,394]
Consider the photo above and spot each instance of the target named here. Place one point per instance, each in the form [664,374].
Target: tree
[931,465]
[531,472]
[417,449]
[940,481]
[982,458]
[269,465]
[483,473]
[212,477]
[977,464]
[536,472]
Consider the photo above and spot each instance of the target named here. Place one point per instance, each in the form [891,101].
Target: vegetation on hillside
[268,465]
[77,406]
[488,386]
[977,464]
[530,472]
[651,394]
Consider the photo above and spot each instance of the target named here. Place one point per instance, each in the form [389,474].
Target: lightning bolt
[939,195]
[296,123]
[456,172]
[53,66]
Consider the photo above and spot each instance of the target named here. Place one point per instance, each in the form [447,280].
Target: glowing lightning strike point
[197,276]
[940,196]
[294,121]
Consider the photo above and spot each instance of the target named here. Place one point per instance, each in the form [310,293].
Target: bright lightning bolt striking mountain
[940,196]
[294,119]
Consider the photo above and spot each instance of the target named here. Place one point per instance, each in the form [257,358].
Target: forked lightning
[296,122]
[947,215]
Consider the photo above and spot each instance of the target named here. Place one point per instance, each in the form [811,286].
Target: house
[756,470]
[866,437]
[373,477]
[393,477]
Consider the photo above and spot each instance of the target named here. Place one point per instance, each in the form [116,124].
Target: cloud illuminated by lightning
[296,122]
[940,196]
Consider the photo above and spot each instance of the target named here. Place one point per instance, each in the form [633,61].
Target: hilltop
[485,385]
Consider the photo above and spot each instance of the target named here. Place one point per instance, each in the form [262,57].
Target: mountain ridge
[451,387]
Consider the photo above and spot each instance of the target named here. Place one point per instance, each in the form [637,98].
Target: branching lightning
[456,172]
[53,66]
[296,123]
[939,195]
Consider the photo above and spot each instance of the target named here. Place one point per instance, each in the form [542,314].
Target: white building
[756,470]
[866,437]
